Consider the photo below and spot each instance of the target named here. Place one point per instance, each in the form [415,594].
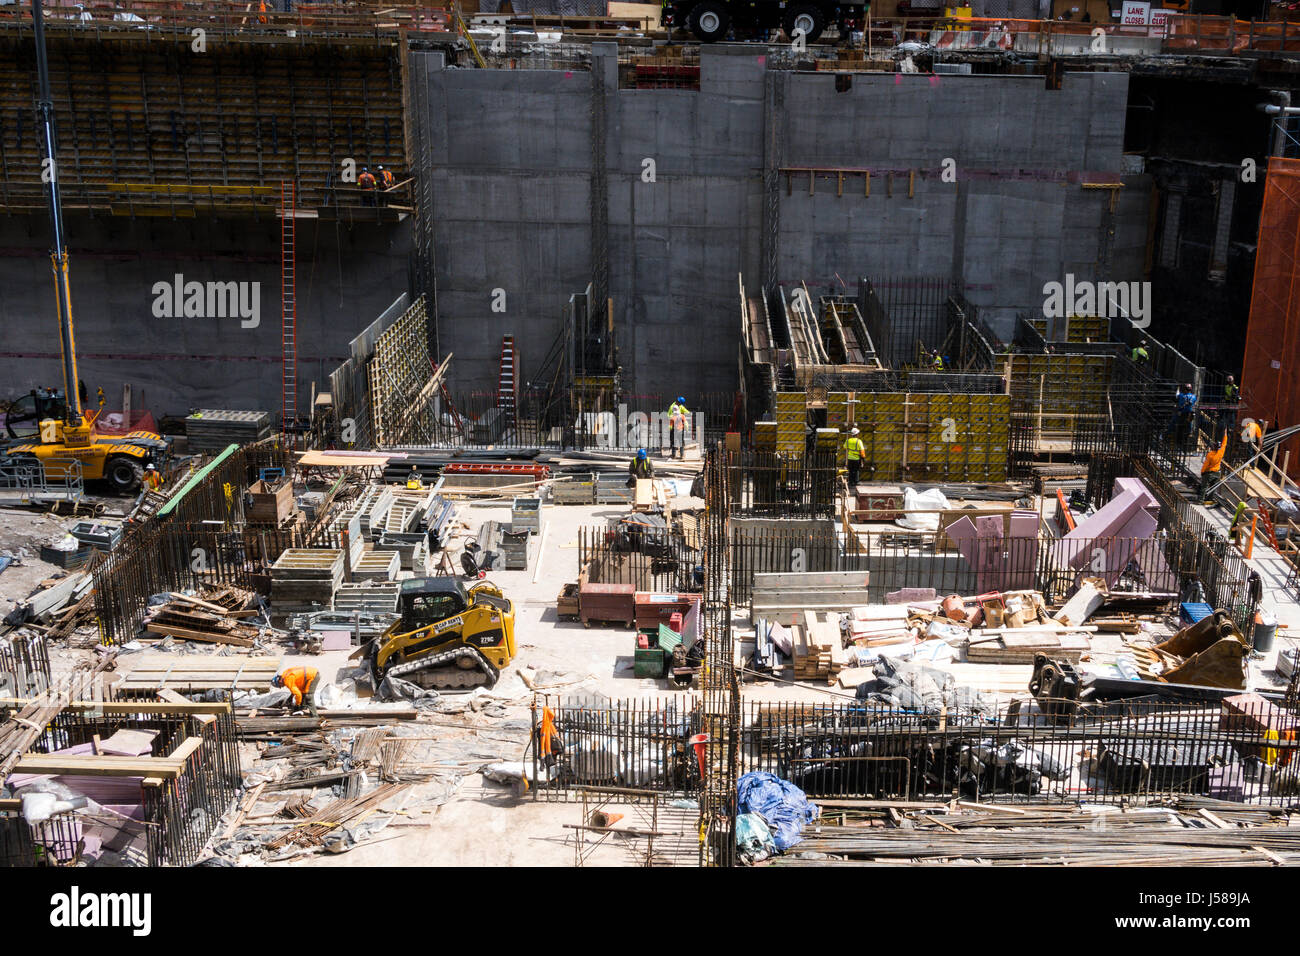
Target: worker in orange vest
[1252,433]
[1210,467]
[367,183]
[385,183]
[152,478]
[301,681]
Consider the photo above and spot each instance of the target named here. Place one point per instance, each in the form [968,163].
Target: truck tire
[123,474]
[808,18]
[709,21]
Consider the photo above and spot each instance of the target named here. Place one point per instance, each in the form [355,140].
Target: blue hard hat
[680,400]
[640,454]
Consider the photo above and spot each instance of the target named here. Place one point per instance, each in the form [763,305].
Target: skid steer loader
[447,637]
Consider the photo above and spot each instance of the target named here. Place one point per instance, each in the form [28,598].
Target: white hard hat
[853,431]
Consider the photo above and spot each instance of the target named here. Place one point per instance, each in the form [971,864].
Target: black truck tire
[808,18]
[709,21]
[123,473]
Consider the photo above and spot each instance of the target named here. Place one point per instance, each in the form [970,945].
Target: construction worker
[413,480]
[1237,526]
[1183,419]
[854,452]
[1252,433]
[386,181]
[936,361]
[1140,355]
[640,467]
[152,479]
[301,681]
[1211,465]
[366,181]
[678,414]
[1231,397]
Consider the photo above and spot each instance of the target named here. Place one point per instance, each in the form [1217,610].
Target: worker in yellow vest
[678,415]
[854,452]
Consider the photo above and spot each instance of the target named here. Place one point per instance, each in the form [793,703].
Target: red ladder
[508,381]
[1267,522]
[288,311]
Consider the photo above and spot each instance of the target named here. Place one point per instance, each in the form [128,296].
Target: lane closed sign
[1136,13]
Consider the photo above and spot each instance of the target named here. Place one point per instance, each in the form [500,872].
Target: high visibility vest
[1214,457]
[366,181]
[854,449]
[1230,393]
[387,177]
[297,680]
[679,421]
[674,410]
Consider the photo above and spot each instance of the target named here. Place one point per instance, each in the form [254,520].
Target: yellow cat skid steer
[447,637]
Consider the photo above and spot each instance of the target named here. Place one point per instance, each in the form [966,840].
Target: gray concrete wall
[345,277]
[1012,220]
[511,178]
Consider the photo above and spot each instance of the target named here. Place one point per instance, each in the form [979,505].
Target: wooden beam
[130,706]
[186,749]
[87,765]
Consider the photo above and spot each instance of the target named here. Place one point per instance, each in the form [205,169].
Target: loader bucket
[1209,653]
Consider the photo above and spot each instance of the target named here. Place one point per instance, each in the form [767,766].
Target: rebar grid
[719,677]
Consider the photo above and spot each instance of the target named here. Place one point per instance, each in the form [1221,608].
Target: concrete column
[1222,229]
[1173,227]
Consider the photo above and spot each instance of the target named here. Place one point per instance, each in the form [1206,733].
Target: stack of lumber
[195,672]
[1021,645]
[188,621]
[819,653]
[305,577]
[219,621]
[875,625]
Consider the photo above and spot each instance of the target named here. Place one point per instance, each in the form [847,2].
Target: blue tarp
[780,803]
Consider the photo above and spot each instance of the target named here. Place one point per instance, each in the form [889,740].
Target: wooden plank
[215,637]
[131,707]
[88,765]
[186,749]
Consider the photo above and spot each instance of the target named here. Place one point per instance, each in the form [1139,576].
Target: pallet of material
[574,490]
[213,429]
[189,623]
[194,672]
[1012,648]
[819,653]
[784,597]
[302,577]
[267,503]
[376,566]
[379,597]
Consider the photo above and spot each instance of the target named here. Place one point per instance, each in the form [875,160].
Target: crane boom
[59,250]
